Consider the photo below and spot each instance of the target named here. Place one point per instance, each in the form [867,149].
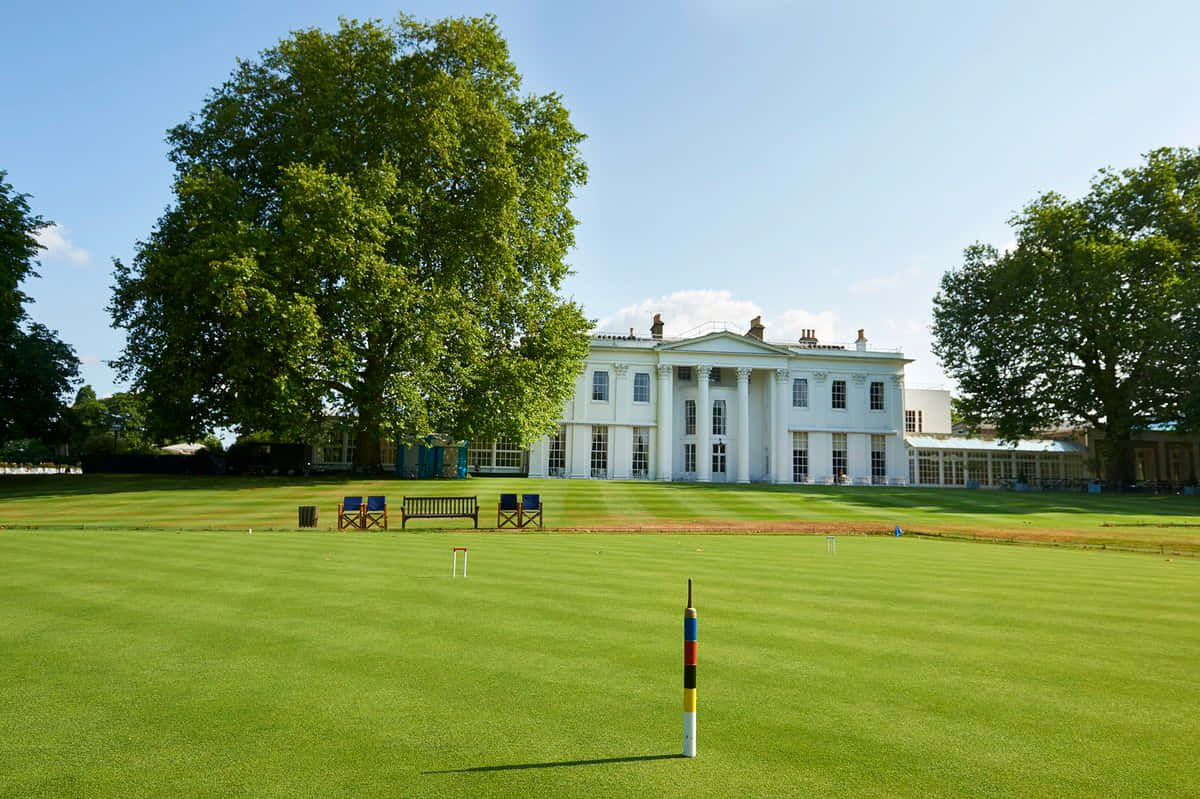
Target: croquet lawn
[209,663]
[1165,524]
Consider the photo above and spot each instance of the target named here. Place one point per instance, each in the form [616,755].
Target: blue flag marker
[899,532]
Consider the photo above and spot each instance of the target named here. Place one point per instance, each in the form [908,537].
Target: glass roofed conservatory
[976,462]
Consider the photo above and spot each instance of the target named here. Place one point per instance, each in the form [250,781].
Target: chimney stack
[860,343]
[808,337]
[756,328]
[656,327]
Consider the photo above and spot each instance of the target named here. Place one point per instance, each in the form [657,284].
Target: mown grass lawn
[1169,523]
[195,663]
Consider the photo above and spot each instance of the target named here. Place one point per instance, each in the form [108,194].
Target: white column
[703,426]
[858,456]
[898,455]
[820,456]
[773,452]
[666,407]
[620,451]
[539,457]
[783,435]
[579,450]
[583,393]
[743,428]
[991,480]
[621,393]
[857,400]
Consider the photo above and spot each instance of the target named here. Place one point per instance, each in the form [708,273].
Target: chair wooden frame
[532,513]
[508,511]
[351,513]
[375,513]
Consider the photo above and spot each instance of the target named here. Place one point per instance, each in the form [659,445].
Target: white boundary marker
[454,561]
[831,544]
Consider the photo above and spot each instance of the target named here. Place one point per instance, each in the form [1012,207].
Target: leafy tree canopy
[115,424]
[371,223]
[1093,319]
[36,368]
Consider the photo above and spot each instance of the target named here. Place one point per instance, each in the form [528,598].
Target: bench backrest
[440,505]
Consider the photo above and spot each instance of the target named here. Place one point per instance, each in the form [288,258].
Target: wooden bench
[439,508]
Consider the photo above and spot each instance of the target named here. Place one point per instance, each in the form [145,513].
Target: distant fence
[241,459]
[267,459]
[39,468]
[200,463]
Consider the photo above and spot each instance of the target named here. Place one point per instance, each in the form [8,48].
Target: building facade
[725,406]
[722,406]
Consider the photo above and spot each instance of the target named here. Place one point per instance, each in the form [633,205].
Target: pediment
[725,343]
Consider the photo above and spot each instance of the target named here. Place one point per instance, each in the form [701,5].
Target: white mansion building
[721,406]
[718,405]
[725,407]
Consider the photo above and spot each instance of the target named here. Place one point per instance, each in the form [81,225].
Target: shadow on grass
[67,485]
[969,501]
[556,764]
[740,499]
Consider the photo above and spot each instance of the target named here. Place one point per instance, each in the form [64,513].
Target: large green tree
[113,425]
[36,367]
[371,223]
[1093,319]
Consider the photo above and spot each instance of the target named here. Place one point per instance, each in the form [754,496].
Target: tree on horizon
[1093,319]
[37,368]
[372,224]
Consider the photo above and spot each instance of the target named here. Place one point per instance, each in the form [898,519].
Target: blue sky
[820,164]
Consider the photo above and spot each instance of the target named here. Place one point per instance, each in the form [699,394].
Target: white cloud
[789,325]
[59,247]
[683,311]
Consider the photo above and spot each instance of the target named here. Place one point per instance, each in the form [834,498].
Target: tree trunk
[1117,448]
[366,451]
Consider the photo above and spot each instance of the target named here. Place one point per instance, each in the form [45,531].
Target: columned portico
[666,433]
[703,426]
[743,428]
[618,400]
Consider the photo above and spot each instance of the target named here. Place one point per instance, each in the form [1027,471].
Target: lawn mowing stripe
[370,649]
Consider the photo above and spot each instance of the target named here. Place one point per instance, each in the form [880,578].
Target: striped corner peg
[689,677]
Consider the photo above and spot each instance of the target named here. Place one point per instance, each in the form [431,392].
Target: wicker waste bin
[308,515]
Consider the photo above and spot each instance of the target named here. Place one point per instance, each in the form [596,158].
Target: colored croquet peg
[454,561]
[689,677]
[899,532]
